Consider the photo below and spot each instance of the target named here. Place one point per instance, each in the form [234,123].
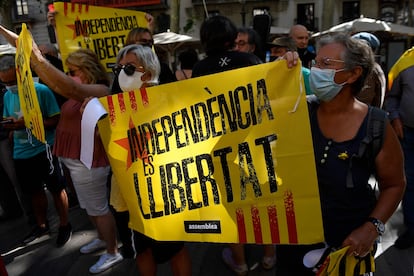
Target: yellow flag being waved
[103,30]
[221,158]
[29,103]
[406,60]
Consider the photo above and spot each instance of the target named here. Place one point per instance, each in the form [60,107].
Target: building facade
[186,16]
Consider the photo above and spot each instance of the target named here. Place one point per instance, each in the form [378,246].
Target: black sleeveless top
[344,208]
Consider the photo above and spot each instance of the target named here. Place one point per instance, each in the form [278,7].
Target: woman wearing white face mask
[138,67]
[352,214]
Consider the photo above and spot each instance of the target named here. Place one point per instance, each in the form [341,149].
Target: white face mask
[130,83]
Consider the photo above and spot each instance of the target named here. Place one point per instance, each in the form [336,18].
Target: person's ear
[355,74]
[146,76]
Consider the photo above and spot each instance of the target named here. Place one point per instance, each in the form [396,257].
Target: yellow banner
[221,158]
[103,30]
[406,60]
[29,103]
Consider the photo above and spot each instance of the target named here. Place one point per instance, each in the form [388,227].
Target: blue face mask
[322,83]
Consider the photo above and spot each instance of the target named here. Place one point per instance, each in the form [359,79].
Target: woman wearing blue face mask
[352,214]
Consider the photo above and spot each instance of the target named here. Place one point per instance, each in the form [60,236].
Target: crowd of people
[343,105]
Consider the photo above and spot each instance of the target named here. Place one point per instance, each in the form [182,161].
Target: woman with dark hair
[218,35]
[187,59]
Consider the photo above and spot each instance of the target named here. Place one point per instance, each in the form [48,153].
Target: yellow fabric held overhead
[29,103]
[215,158]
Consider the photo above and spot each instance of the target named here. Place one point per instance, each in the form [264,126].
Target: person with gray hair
[138,67]
[347,154]
[12,201]
[139,54]
[32,159]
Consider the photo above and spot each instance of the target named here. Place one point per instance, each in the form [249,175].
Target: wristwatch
[379,225]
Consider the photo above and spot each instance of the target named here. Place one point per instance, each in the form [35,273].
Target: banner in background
[406,60]
[29,103]
[103,30]
[221,158]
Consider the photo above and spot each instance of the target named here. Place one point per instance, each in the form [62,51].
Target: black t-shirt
[306,56]
[224,61]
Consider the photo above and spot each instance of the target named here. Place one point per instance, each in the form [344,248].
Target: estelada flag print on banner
[33,119]
[219,158]
[103,30]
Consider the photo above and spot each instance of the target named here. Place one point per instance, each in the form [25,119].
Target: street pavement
[43,258]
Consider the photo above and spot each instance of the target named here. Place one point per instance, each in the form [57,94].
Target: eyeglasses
[146,42]
[129,69]
[326,62]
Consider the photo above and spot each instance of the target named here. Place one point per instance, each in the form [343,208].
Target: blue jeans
[408,199]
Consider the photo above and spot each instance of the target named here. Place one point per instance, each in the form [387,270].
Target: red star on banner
[73,27]
[124,142]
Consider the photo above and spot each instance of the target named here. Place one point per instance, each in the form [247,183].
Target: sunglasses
[129,69]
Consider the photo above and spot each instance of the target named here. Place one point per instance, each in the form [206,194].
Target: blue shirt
[23,149]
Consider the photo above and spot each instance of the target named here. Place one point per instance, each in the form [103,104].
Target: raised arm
[54,78]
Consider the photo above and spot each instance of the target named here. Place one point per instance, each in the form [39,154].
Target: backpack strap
[313,104]
[372,142]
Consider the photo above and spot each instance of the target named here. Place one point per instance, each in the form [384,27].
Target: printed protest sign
[221,158]
[29,103]
[100,29]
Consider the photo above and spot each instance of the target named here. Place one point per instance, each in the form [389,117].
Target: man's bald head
[300,35]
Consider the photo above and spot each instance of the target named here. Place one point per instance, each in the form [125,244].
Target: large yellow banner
[100,29]
[29,103]
[222,158]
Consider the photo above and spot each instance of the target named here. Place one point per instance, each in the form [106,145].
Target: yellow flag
[29,103]
[406,60]
[339,263]
[221,158]
[103,30]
